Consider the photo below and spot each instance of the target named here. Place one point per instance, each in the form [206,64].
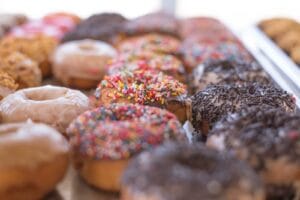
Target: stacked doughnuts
[145,77]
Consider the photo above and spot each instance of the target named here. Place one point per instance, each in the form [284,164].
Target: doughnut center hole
[44,96]
[196,162]
[86,46]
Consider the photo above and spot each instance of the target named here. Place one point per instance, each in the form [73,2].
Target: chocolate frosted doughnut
[227,72]
[105,27]
[182,171]
[209,105]
[157,22]
[268,139]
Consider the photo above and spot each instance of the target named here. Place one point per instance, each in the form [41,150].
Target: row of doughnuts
[286,33]
[139,103]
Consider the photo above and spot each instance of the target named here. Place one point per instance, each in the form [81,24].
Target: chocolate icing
[103,26]
[209,105]
[178,171]
[227,72]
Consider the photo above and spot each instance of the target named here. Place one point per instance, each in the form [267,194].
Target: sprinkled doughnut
[268,139]
[182,171]
[105,138]
[150,42]
[227,72]
[22,69]
[33,160]
[157,22]
[55,106]
[81,64]
[212,103]
[143,87]
[197,53]
[7,85]
[168,64]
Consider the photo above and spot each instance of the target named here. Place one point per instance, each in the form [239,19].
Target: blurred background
[237,13]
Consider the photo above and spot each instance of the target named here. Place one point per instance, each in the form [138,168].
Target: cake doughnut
[33,159]
[52,105]
[289,40]
[38,48]
[105,138]
[268,139]
[295,54]
[276,27]
[150,42]
[216,101]
[104,26]
[168,64]
[22,69]
[7,85]
[182,171]
[227,72]
[81,63]
[144,87]
[156,22]
[196,53]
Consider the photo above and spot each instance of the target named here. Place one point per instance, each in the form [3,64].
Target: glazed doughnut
[227,72]
[214,102]
[7,85]
[196,53]
[105,27]
[33,159]
[105,138]
[138,60]
[143,87]
[157,22]
[55,106]
[22,69]
[150,42]
[182,171]
[38,48]
[268,139]
[81,64]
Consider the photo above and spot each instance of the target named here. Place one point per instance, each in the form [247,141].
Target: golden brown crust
[295,54]
[276,27]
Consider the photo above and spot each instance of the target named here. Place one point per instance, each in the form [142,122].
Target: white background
[239,13]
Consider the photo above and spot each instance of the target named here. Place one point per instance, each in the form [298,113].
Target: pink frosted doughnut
[55,106]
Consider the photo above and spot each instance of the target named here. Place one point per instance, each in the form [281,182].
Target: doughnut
[150,42]
[138,60]
[38,48]
[196,53]
[7,85]
[104,26]
[8,21]
[289,40]
[216,101]
[105,138]
[144,87]
[276,27]
[199,25]
[295,54]
[52,105]
[22,69]
[64,21]
[268,139]
[157,22]
[227,72]
[33,159]
[81,64]
[183,171]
